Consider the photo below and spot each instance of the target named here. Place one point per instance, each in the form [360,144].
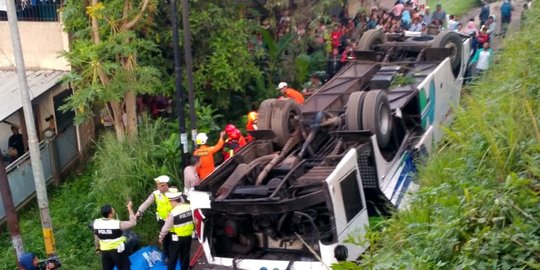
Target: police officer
[179,225]
[108,235]
[163,206]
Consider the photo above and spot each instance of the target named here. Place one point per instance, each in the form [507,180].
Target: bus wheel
[377,116]
[452,41]
[265,114]
[370,38]
[285,119]
[353,112]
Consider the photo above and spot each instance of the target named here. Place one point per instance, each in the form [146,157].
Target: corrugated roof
[39,81]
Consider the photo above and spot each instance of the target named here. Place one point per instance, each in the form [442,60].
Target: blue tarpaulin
[149,258]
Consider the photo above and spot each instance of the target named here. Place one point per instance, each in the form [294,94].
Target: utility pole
[35,155]
[178,85]
[11,214]
[189,69]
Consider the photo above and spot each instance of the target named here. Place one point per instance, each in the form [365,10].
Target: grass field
[456,7]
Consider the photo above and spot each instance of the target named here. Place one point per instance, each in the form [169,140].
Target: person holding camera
[29,261]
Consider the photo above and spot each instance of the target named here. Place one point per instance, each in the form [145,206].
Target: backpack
[506,9]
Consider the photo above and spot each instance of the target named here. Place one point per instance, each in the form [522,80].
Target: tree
[104,59]
[223,63]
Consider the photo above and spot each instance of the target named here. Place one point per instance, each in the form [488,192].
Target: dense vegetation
[491,152]
[478,207]
[118,172]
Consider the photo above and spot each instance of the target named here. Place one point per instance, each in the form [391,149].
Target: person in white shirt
[482,59]
[491,25]
[417,25]
[452,24]
[191,178]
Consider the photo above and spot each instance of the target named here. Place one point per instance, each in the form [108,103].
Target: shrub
[119,172]
[478,203]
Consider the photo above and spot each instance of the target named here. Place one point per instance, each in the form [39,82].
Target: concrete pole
[33,144]
[11,214]
[189,69]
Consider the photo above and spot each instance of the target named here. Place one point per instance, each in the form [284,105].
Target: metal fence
[35,10]
[20,176]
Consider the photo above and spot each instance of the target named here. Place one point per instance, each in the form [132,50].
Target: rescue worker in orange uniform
[206,153]
[230,129]
[288,92]
[252,121]
[251,124]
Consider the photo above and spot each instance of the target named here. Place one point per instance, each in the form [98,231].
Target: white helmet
[281,85]
[162,179]
[201,138]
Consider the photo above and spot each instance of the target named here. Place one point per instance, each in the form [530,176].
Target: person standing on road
[109,239]
[163,206]
[179,225]
[484,13]
[506,16]
[482,59]
[491,25]
[439,15]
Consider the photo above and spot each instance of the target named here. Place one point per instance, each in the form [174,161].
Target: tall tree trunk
[117,116]
[95,26]
[131,111]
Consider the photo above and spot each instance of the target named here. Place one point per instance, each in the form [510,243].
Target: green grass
[455,7]
[117,173]
[479,204]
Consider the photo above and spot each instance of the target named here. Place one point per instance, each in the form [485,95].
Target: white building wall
[42,43]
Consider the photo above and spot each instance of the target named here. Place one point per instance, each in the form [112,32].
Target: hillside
[478,207]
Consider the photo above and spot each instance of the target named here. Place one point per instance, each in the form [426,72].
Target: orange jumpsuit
[297,96]
[228,152]
[206,153]
[249,127]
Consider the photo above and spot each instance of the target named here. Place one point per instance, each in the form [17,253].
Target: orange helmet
[235,134]
[252,116]
[229,128]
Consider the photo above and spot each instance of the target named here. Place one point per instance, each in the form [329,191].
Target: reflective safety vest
[109,233]
[163,205]
[183,220]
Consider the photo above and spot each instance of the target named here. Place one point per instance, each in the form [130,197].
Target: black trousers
[179,250]
[166,239]
[111,258]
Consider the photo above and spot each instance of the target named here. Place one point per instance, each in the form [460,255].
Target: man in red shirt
[288,92]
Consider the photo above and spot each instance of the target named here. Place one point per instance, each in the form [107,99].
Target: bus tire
[353,112]
[377,116]
[370,38]
[264,115]
[285,113]
[452,40]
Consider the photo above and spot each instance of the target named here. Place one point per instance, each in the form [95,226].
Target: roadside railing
[35,10]
[56,155]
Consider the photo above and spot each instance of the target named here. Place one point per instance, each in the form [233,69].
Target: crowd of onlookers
[339,36]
